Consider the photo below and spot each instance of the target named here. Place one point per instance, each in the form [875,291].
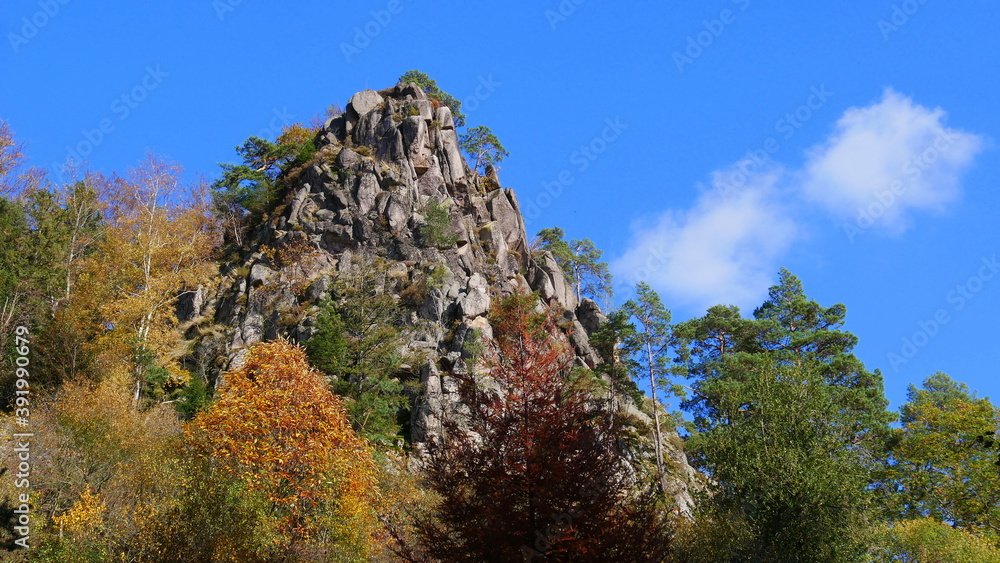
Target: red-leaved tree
[530,472]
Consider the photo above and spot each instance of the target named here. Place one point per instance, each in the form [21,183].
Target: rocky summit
[379,167]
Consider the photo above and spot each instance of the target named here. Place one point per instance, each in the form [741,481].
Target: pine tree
[483,146]
[357,342]
[789,423]
[430,87]
[653,341]
[581,263]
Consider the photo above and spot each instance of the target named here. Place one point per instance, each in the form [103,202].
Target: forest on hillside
[122,444]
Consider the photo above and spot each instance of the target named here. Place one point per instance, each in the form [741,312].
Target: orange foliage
[295,135]
[277,428]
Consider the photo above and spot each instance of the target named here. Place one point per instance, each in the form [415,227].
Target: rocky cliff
[379,168]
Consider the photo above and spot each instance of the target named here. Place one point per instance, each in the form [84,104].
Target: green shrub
[436,231]
[436,277]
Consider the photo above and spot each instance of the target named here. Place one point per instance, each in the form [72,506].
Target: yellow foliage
[158,242]
[927,540]
[86,514]
[711,537]
[109,470]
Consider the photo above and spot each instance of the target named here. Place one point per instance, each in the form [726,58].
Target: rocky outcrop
[379,168]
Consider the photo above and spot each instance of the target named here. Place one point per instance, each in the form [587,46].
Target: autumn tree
[928,540]
[935,468]
[11,154]
[108,470]
[15,176]
[278,429]
[531,472]
[158,244]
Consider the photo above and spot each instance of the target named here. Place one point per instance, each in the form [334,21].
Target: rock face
[378,168]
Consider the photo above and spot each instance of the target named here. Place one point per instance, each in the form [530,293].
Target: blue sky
[702,145]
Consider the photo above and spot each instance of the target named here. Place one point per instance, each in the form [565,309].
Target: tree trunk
[660,469]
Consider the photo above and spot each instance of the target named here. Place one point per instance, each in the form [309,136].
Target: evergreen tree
[430,87]
[581,263]
[66,225]
[358,342]
[652,342]
[784,475]
[247,191]
[799,332]
[615,342]
[13,267]
[781,399]
[483,146]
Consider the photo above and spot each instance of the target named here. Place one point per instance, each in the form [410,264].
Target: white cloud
[884,160]
[724,250]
